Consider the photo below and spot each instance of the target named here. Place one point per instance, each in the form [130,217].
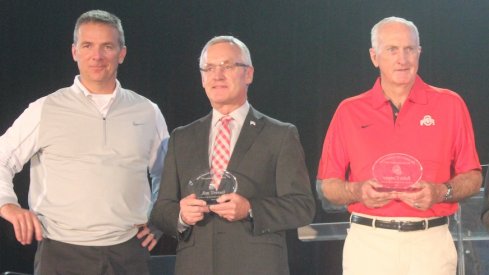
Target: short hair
[102,17]
[245,53]
[375,30]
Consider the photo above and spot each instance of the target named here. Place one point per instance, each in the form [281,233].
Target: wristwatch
[449,194]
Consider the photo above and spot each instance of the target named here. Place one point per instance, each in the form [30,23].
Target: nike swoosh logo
[135,123]
[365,126]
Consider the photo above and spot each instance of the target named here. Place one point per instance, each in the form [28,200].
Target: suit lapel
[252,126]
[201,139]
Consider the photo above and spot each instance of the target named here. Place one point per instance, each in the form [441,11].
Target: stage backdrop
[308,56]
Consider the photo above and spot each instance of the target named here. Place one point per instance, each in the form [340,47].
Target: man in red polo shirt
[400,232]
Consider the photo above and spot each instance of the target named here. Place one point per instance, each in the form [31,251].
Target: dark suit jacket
[268,162]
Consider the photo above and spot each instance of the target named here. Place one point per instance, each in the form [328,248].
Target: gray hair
[375,30]
[245,53]
[102,17]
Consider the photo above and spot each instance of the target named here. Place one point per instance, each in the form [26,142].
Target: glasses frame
[226,67]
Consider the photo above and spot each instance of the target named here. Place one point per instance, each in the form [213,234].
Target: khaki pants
[379,251]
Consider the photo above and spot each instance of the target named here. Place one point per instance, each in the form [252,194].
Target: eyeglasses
[226,67]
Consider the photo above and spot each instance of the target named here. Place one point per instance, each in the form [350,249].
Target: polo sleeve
[465,157]
[17,146]
[334,160]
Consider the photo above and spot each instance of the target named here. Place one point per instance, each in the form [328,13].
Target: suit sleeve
[293,206]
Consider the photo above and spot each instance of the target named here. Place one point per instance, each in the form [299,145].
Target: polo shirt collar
[416,95]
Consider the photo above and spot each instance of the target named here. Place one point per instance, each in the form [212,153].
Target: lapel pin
[252,123]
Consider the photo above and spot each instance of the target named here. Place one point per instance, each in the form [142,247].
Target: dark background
[308,56]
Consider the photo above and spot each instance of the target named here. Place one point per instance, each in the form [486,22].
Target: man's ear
[122,54]
[373,57]
[249,74]
[73,52]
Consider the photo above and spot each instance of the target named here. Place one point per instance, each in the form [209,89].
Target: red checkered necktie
[221,152]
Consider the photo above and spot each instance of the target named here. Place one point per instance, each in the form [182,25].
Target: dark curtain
[308,56]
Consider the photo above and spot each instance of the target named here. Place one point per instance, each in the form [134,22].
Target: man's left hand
[424,197]
[231,207]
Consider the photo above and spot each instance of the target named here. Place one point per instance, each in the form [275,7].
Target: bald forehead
[223,48]
[396,29]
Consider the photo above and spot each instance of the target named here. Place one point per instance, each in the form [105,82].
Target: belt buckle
[399,226]
[405,226]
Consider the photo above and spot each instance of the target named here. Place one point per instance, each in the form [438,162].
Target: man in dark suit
[244,232]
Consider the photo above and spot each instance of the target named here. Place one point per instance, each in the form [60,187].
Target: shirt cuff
[181,226]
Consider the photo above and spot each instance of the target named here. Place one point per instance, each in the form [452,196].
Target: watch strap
[449,194]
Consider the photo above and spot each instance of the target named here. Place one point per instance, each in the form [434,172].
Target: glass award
[205,187]
[397,172]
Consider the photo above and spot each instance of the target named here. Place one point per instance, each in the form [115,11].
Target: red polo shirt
[433,125]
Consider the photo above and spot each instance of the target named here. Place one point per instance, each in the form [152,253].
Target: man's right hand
[26,224]
[192,209]
[366,193]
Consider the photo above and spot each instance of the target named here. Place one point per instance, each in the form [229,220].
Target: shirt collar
[416,95]
[87,93]
[239,115]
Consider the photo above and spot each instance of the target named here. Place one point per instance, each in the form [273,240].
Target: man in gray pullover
[91,146]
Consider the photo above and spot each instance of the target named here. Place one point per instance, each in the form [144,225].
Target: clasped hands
[421,196]
[231,207]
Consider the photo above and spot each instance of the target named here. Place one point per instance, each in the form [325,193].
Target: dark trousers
[58,258]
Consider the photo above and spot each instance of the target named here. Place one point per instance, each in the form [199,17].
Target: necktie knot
[225,120]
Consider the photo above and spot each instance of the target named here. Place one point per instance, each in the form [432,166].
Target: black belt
[399,225]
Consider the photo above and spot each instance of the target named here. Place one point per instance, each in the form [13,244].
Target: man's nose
[97,52]
[402,57]
[219,73]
